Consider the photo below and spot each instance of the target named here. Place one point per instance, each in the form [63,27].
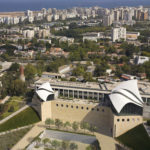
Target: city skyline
[16,5]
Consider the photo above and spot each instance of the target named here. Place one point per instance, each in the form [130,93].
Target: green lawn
[26,117]
[136,138]
[16,102]
[9,140]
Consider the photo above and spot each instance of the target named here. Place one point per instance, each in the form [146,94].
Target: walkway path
[28,138]
[15,113]
[5,100]
[106,142]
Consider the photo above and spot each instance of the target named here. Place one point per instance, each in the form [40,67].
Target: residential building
[118,34]
[28,34]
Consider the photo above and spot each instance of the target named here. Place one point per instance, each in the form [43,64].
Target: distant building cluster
[53,14]
[126,15]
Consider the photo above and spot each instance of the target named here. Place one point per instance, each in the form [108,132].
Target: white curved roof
[44,91]
[124,93]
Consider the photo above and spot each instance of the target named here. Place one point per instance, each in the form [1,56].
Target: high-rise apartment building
[108,19]
[118,33]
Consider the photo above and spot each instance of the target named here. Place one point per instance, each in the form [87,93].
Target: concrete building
[64,69]
[118,34]
[93,91]
[49,18]
[121,109]
[66,39]
[141,59]
[132,35]
[52,75]
[43,33]
[108,20]
[90,38]
[29,13]
[28,34]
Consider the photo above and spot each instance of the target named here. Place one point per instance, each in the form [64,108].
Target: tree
[75,126]
[14,67]
[55,143]
[84,125]
[73,146]
[17,88]
[73,79]
[100,71]
[78,71]
[67,124]
[91,147]
[58,123]
[148,122]
[30,72]
[65,145]
[49,122]
[46,140]
[38,139]
[11,109]
[88,76]
[93,128]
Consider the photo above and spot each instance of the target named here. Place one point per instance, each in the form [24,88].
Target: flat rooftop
[144,87]
[78,101]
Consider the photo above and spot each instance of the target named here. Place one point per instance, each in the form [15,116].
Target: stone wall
[146,112]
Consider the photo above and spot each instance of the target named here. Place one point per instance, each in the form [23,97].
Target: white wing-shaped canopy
[44,91]
[125,93]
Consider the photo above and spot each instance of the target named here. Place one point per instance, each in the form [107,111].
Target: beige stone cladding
[46,110]
[42,108]
[124,123]
[84,111]
[68,110]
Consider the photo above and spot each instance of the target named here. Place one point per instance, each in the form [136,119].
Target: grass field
[26,117]
[137,139]
[16,102]
[7,141]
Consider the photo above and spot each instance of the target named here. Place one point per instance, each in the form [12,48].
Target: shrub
[148,122]
[11,109]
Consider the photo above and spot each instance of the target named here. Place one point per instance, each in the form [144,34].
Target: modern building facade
[120,111]
[118,34]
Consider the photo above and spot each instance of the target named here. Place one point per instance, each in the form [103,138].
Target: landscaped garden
[26,117]
[136,138]
[58,140]
[75,127]
[7,141]
[13,104]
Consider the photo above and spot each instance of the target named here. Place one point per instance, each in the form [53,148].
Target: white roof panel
[126,92]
